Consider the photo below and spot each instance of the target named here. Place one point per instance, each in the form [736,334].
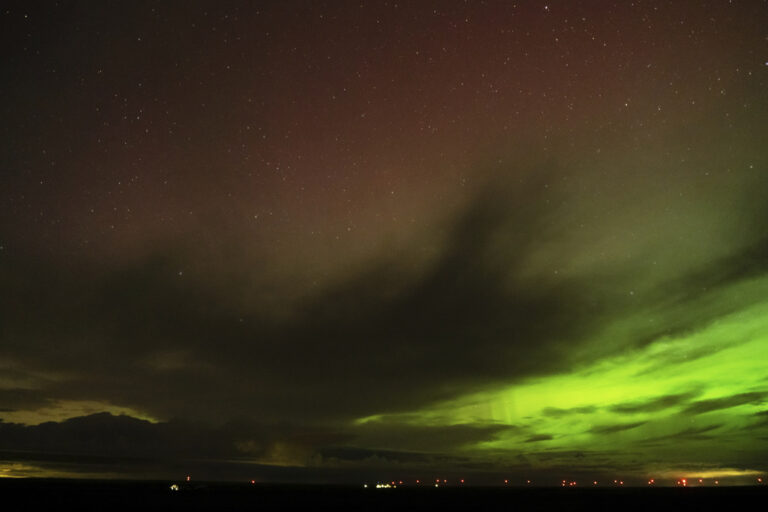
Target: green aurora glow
[698,399]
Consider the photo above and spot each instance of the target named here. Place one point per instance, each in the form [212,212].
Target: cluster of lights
[682,482]
[393,484]
[462,481]
[175,487]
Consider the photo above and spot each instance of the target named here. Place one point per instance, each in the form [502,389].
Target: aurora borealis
[328,241]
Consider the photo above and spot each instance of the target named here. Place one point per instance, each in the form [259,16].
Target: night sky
[337,241]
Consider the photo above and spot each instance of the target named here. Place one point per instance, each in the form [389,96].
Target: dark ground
[34,494]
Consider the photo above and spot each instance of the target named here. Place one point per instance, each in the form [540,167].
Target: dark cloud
[695,297]
[715,404]
[671,357]
[434,439]
[609,429]
[759,421]
[115,436]
[746,262]
[590,463]
[14,399]
[465,321]
[688,434]
[654,404]
[539,437]
[557,412]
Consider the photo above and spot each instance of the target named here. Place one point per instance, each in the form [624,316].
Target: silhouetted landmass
[37,494]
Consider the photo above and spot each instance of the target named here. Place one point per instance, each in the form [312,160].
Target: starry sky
[332,240]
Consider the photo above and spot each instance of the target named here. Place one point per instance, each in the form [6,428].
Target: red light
[401,482]
[621,482]
[418,482]
[188,478]
[506,481]
[438,480]
[462,480]
[527,481]
[594,483]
